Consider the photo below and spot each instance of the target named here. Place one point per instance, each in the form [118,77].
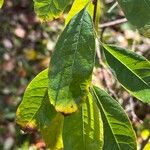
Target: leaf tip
[67,110]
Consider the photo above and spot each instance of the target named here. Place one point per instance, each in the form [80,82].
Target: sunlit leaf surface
[35,111]
[83,130]
[72,64]
[118,131]
[131,70]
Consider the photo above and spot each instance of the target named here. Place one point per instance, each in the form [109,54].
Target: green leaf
[32,101]
[72,64]
[52,130]
[118,131]
[1,3]
[131,70]
[35,111]
[137,12]
[77,6]
[83,130]
[49,9]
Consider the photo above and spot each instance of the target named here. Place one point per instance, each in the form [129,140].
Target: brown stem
[113,23]
[95,11]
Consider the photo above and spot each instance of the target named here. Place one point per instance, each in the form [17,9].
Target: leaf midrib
[79,32]
[106,118]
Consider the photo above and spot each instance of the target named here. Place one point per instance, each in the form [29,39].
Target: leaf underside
[118,131]
[131,70]
[137,12]
[72,64]
[83,130]
[49,9]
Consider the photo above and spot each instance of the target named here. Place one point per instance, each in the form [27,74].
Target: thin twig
[134,41]
[113,23]
[112,7]
[95,11]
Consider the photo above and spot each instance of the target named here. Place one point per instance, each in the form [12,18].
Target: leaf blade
[84,129]
[117,126]
[52,133]
[131,70]
[46,10]
[134,11]
[73,55]
[35,111]
[37,91]
[77,6]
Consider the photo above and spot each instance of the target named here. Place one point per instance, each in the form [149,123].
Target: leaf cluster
[70,112]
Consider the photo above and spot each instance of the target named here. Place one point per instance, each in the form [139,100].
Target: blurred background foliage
[26,45]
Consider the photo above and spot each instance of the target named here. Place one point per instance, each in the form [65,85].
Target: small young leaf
[137,12]
[72,64]
[49,9]
[35,111]
[1,3]
[131,70]
[83,130]
[77,6]
[118,131]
